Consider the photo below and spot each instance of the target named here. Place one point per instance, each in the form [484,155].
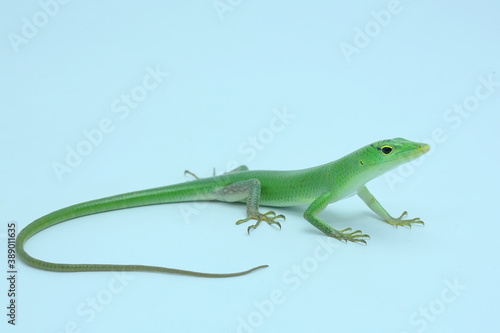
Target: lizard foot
[404,223]
[238,169]
[187,172]
[346,235]
[269,217]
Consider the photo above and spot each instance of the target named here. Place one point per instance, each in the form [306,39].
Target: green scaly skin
[316,187]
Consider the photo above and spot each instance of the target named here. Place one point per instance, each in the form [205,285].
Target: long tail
[173,193]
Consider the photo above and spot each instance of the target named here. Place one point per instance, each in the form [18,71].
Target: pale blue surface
[229,76]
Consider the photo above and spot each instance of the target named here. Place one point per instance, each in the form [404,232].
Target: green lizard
[317,187]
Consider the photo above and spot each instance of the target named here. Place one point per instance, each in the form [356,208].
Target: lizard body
[316,187]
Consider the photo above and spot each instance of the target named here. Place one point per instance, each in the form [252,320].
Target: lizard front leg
[319,205]
[377,208]
[249,190]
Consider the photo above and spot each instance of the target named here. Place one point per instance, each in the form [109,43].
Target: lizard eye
[386,150]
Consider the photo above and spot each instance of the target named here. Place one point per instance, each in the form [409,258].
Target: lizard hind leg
[192,174]
[238,169]
[248,190]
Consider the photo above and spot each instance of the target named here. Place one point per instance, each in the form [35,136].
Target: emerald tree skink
[316,187]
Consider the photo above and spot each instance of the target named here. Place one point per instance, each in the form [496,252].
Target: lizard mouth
[421,149]
[424,148]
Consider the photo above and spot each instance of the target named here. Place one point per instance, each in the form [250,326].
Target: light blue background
[229,72]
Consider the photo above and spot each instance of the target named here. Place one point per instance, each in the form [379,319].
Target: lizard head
[386,155]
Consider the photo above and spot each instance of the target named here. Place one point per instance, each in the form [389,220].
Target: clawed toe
[348,235]
[400,222]
[269,217]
